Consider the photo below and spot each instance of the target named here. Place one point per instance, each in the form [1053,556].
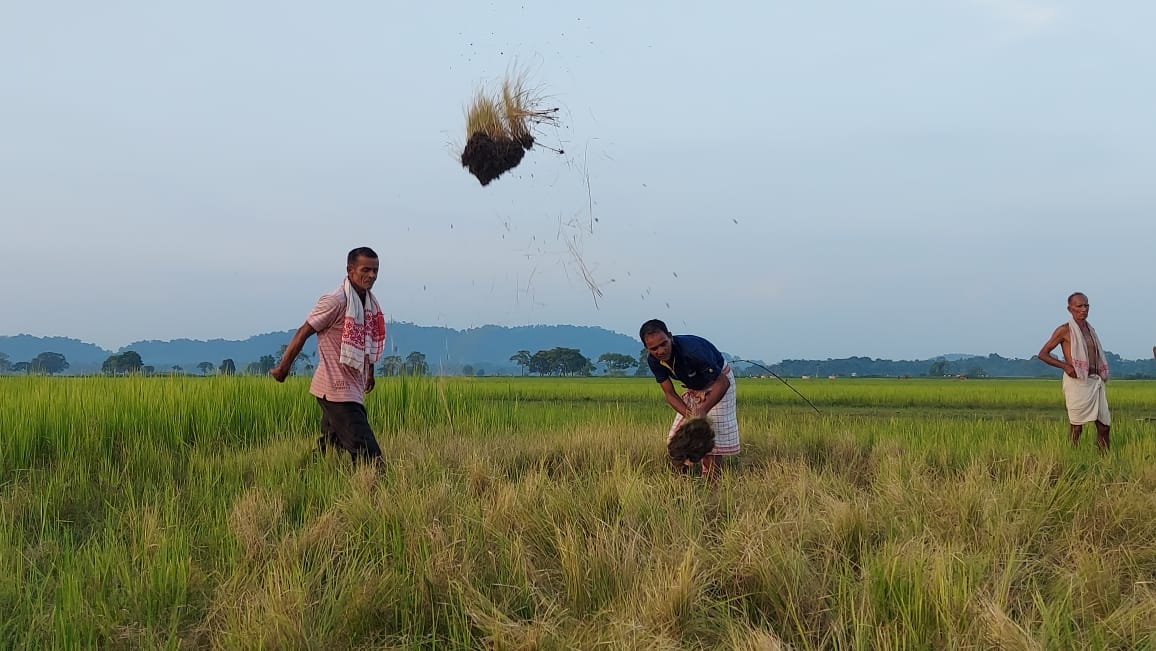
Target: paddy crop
[523,513]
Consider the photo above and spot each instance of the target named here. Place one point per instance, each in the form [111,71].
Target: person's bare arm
[369,381]
[1045,355]
[281,371]
[713,394]
[675,400]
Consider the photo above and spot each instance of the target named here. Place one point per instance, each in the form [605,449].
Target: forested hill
[488,349]
[446,350]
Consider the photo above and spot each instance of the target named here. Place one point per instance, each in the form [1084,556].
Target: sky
[886,178]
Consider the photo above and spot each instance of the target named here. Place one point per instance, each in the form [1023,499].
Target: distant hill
[489,348]
[955,357]
[447,350]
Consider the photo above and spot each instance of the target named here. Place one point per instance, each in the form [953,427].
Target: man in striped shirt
[350,333]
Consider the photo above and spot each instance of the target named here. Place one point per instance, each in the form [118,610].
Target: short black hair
[651,327]
[360,252]
[1075,294]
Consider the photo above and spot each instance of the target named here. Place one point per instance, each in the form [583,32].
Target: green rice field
[539,513]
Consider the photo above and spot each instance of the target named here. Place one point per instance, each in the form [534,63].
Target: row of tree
[992,365]
[571,361]
[47,363]
[412,364]
[555,361]
[128,362]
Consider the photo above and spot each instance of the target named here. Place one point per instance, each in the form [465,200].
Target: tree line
[570,361]
[561,361]
[555,361]
[992,365]
[47,363]
[129,362]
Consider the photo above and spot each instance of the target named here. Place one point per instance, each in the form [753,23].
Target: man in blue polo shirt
[709,383]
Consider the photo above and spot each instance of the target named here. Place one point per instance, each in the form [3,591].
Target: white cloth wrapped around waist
[723,418]
[1087,400]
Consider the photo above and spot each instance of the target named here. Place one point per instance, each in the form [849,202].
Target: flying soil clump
[693,440]
[500,128]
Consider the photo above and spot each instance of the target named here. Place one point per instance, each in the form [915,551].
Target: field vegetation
[527,513]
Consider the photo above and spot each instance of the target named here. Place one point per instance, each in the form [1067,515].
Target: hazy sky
[788,179]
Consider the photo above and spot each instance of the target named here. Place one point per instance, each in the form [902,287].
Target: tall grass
[538,513]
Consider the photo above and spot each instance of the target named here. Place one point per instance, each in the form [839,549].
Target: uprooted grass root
[693,440]
[488,158]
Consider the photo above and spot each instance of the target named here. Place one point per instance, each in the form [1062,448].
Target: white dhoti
[1087,400]
[723,419]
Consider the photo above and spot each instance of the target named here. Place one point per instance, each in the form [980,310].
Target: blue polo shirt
[694,361]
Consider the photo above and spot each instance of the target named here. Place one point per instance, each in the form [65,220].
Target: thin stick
[747,361]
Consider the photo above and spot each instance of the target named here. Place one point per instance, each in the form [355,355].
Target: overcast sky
[893,179]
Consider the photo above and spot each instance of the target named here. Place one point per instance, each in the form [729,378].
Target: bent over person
[709,382]
[350,331]
[1085,370]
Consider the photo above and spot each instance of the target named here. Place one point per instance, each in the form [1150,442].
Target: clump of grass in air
[499,128]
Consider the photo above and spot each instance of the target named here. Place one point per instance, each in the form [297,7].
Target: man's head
[1078,306]
[361,267]
[657,339]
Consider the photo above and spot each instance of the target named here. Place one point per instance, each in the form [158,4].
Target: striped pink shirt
[333,380]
